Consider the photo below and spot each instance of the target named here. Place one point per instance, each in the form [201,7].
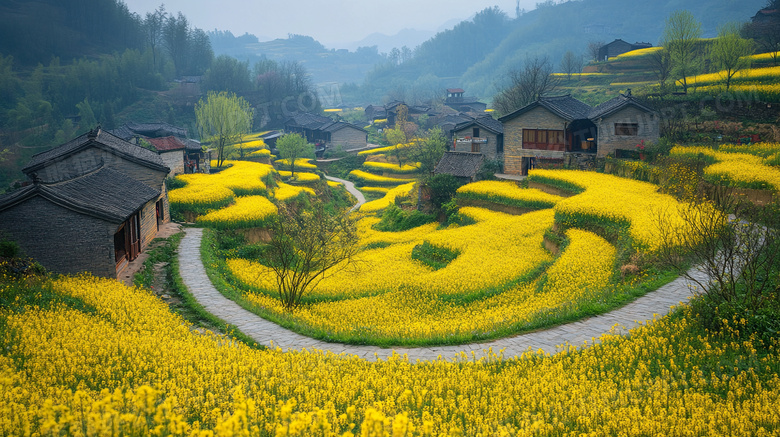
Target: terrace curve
[269,334]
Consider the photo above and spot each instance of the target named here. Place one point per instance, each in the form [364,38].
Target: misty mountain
[477,54]
[407,37]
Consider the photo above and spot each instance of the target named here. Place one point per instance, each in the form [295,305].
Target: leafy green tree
[292,147]
[86,115]
[307,243]
[729,52]
[680,37]
[443,187]
[222,119]
[429,150]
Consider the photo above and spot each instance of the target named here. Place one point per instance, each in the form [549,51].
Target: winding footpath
[642,310]
[361,199]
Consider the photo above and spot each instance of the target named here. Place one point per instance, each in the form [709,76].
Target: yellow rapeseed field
[285,191]
[373,179]
[246,212]
[130,367]
[507,193]
[744,169]
[389,198]
[393,168]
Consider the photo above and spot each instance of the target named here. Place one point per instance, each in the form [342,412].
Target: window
[500,143]
[543,139]
[475,132]
[627,129]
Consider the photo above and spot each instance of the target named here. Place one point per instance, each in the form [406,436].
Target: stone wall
[488,149]
[89,159]
[537,118]
[62,240]
[608,141]
[348,138]
[174,160]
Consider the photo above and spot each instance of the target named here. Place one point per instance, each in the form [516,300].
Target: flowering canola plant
[373,179]
[129,366]
[300,164]
[389,198]
[393,168]
[300,176]
[613,200]
[246,212]
[747,170]
[206,192]
[507,193]
[285,191]
[386,149]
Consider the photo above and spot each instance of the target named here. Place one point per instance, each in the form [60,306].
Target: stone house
[554,128]
[323,132]
[456,100]
[94,204]
[483,135]
[464,166]
[180,156]
[618,47]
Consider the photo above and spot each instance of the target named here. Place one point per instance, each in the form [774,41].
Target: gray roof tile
[460,164]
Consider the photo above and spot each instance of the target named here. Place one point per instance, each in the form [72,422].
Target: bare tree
[593,49]
[767,35]
[662,66]
[526,85]
[306,244]
[571,64]
[153,30]
[733,243]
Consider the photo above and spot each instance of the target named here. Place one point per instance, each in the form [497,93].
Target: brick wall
[537,118]
[648,130]
[349,138]
[62,240]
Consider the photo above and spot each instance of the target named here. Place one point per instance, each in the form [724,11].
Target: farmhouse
[324,132]
[464,166]
[483,135]
[458,102]
[554,128]
[94,204]
[618,47]
[180,156]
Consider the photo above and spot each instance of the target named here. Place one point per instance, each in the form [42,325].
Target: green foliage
[435,257]
[443,187]
[680,38]
[454,217]
[9,249]
[429,150]
[730,52]
[395,219]
[561,185]
[174,183]
[294,146]
[222,119]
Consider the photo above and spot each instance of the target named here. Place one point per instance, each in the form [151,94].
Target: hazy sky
[327,21]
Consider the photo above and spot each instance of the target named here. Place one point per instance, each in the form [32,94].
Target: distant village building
[94,204]
[618,47]
[484,135]
[181,155]
[458,102]
[465,166]
[553,128]
[326,133]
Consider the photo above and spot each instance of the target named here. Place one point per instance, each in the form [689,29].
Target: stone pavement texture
[642,310]
[361,199]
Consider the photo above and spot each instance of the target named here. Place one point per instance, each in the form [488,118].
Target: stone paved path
[267,333]
[361,199]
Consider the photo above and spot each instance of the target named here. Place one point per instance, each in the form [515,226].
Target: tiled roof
[311,121]
[485,121]
[616,104]
[167,144]
[460,164]
[566,107]
[102,139]
[455,90]
[156,130]
[102,193]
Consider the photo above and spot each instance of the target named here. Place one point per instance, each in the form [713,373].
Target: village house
[182,157]
[326,133]
[482,134]
[553,128]
[94,204]
[458,102]
[618,47]
[465,166]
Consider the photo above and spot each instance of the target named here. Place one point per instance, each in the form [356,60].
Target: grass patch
[435,257]
[395,219]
